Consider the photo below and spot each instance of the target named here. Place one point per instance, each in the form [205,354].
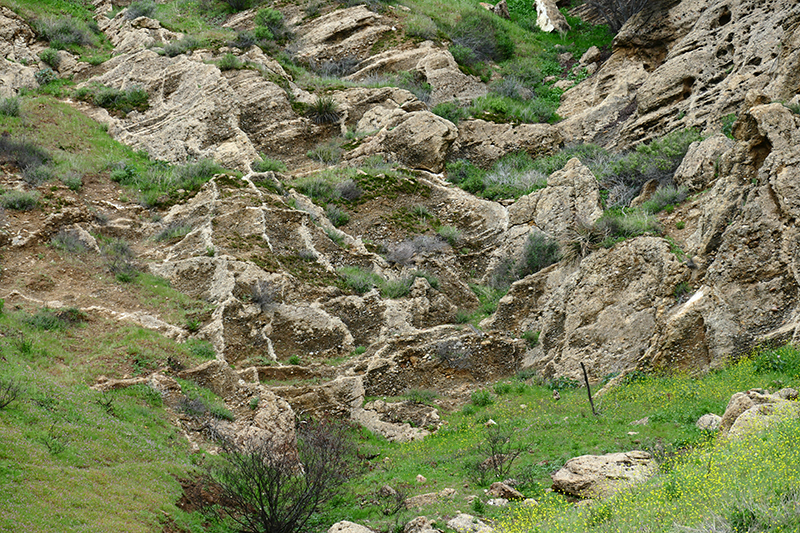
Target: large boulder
[572,194]
[599,476]
[341,33]
[756,409]
[418,139]
[483,142]
[700,166]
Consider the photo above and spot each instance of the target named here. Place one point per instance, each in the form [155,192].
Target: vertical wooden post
[588,390]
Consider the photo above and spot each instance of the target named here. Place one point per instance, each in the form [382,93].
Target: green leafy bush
[45,76]
[664,197]
[481,398]
[115,100]
[50,57]
[336,215]
[63,32]
[328,153]
[539,252]
[181,46]
[482,33]
[450,111]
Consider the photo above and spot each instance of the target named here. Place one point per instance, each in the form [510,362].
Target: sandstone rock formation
[598,476]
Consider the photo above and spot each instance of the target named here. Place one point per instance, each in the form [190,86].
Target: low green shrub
[450,234]
[141,8]
[531,337]
[20,200]
[328,153]
[481,398]
[230,62]
[182,46]
[539,252]
[50,57]
[115,100]
[450,111]
[63,32]
[665,197]
[421,396]
[265,164]
[175,230]
[336,215]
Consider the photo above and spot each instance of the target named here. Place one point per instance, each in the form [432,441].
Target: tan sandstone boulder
[593,476]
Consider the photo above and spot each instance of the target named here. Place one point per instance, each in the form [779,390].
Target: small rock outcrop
[485,142]
[549,18]
[593,476]
[465,523]
[756,409]
[348,527]
[709,422]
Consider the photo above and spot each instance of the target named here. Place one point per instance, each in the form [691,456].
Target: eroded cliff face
[274,274]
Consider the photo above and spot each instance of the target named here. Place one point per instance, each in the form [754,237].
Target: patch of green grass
[115,100]
[552,432]
[265,164]
[60,433]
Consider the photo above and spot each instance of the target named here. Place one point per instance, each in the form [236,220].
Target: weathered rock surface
[348,527]
[430,498]
[549,18]
[701,165]
[709,422]
[685,64]
[433,65]
[593,476]
[483,142]
[419,139]
[756,409]
[501,490]
[340,33]
[420,524]
[465,523]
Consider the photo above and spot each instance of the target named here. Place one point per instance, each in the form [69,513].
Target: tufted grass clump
[324,110]
[421,27]
[328,153]
[512,176]
[181,46]
[9,107]
[336,215]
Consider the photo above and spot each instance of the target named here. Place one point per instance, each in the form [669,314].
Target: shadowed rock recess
[356,268]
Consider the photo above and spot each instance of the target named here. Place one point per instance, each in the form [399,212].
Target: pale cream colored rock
[16,37]
[499,489]
[760,417]
[485,142]
[700,166]
[549,18]
[572,194]
[348,527]
[434,65]
[420,524]
[605,312]
[15,76]
[418,139]
[134,35]
[345,32]
[598,476]
[708,422]
[464,523]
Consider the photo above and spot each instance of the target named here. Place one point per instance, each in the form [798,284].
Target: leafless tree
[274,485]
[616,12]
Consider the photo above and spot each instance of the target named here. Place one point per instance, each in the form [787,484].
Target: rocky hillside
[356,200]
